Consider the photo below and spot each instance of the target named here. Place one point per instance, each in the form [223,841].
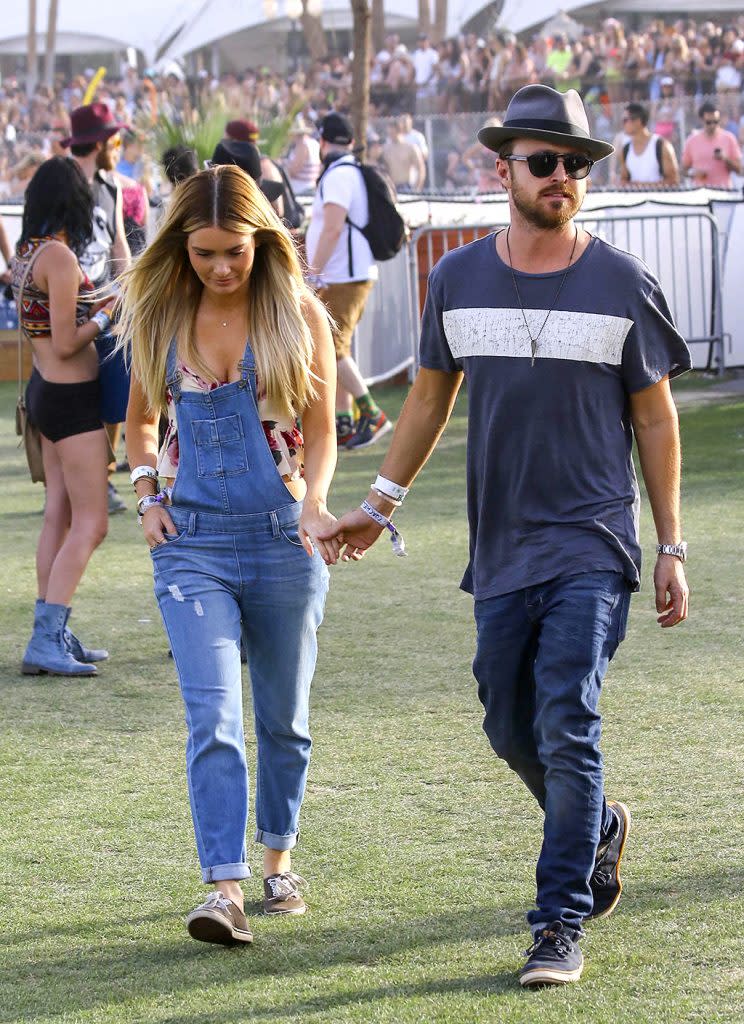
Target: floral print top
[282,435]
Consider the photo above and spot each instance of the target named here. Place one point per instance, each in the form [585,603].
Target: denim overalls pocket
[220,446]
[292,535]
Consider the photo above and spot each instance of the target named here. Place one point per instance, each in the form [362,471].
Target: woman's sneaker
[605,882]
[219,920]
[554,958]
[282,894]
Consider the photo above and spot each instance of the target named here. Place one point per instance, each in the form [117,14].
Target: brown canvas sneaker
[282,894]
[219,920]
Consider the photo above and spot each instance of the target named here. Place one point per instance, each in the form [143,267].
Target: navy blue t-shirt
[551,486]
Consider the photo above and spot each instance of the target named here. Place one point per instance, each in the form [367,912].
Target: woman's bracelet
[389,489]
[147,501]
[143,471]
[102,319]
[399,545]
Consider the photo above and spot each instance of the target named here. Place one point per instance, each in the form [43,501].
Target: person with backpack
[343,271]
[646,159]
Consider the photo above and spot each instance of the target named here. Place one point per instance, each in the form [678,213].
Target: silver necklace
[533,341]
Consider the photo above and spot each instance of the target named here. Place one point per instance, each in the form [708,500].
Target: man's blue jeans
[541,656]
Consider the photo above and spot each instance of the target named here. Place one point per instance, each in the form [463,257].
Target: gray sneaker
[115,501]
[219,920]
[282,894]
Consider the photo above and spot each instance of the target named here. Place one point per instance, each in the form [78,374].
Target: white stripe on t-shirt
[585,337]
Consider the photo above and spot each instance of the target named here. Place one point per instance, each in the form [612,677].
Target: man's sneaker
[605,882]
[368,430]
[115,501]
[282,894]
[344,430]
[219,920]
[554,958]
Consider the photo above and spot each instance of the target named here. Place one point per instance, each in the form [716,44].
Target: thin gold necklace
[533,341]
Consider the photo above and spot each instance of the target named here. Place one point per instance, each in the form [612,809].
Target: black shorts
[61,410]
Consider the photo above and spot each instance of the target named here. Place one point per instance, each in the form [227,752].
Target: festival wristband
[399,545]
[103,320]
[390,489]
[147,501]
[143,471]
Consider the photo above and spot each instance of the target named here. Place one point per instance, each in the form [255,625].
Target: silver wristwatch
[678,550]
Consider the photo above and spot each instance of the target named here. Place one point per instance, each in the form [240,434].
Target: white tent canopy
[519,15]
[178,27]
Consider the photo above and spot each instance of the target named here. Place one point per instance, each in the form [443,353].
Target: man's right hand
[356,531]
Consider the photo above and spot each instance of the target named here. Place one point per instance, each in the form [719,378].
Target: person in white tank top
[646,159]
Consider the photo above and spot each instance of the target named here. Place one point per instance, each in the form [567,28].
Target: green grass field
[418,844]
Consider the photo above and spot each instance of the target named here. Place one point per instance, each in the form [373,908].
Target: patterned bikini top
[36,320]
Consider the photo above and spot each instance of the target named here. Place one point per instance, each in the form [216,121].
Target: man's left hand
[672,592]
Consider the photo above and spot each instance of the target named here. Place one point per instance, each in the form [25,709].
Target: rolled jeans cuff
[274,842]
[222,872]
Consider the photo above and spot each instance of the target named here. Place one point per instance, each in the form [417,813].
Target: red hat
[242,131]
[92,123]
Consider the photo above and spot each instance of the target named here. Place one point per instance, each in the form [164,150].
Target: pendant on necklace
[224,323]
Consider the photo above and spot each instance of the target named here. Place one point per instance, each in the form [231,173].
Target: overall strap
[247,366]
[19,301]
[173,375]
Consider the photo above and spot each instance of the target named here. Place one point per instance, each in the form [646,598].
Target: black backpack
[385,229]
[294,214]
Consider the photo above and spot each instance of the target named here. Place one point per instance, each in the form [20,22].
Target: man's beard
[537,214]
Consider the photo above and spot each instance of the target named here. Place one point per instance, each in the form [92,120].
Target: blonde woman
[233,534]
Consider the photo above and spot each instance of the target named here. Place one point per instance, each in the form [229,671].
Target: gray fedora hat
[539,112]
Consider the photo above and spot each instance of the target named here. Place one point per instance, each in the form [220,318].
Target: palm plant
[201,134]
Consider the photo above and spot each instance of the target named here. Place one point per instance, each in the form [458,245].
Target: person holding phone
[710,156]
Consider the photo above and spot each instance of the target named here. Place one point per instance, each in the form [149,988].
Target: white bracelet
[390,489]
[141,471]
[386,497]
[102,319]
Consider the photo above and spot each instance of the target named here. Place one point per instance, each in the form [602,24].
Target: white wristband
[141,471]
[390,489]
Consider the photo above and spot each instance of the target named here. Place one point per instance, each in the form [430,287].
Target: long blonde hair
[161,292]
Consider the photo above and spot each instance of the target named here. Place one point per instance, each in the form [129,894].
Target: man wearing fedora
[568,347]
[94,145]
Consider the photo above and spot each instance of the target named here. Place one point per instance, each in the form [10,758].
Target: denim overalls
[237,563]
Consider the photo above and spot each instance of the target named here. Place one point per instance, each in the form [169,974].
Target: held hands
[356,531]
[672,592]
[318,526]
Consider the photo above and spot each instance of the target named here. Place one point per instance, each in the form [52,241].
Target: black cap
[247,157]
[336,128]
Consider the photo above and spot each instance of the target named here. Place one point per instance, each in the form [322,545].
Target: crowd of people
[668,68]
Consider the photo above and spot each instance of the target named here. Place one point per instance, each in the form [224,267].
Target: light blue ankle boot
[47,651]
[79,652]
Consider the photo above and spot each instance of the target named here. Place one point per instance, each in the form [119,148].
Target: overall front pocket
[220,446]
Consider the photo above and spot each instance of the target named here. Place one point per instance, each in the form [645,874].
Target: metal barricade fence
[681,249]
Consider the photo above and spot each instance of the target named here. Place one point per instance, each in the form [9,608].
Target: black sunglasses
[542,164]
